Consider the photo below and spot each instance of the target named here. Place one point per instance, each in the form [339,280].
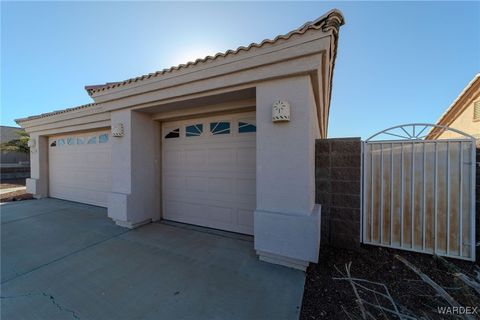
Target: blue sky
[397,62]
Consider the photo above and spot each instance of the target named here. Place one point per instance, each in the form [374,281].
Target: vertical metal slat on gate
[453,211]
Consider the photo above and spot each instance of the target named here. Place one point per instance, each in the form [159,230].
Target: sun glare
[191,54]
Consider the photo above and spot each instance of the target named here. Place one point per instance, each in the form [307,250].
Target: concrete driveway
[64,260]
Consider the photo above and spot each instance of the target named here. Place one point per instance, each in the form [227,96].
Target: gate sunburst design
[415,131]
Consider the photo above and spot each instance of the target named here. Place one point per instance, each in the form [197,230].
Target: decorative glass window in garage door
[246,126]
[194,130]
[103,138]
[175,133]
[80,140]
[222,127]
[59,142]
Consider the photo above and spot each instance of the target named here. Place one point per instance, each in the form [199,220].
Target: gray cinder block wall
[9,172]
[338,180]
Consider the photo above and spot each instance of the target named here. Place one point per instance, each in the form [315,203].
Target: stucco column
[135,195]
[286,220]
[37,184]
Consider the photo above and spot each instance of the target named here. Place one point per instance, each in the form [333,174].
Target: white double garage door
[208,170]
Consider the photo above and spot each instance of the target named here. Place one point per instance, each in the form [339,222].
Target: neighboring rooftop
[455,108]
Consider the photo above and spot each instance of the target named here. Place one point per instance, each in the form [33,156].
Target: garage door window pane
[61,142]
[194,130]
[70,141]
[103,138]
[92,140]
[175,133]
[80,140]
[245,127]
[53,144]
[220,127]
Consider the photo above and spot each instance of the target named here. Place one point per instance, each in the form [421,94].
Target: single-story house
[463,114]
[225,142]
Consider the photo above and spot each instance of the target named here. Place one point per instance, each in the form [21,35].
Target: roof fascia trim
[271,55]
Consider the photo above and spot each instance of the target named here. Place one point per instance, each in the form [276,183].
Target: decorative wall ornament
[117,130]
[280,111]
[32,144]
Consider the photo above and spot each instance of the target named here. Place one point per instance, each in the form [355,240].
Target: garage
[80,167]
[224,142]
[209,171]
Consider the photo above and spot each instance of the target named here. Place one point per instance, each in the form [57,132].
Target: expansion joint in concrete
[65,256]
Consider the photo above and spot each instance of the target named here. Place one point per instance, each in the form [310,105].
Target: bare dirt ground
[386,288]
[15,195]
[6,184]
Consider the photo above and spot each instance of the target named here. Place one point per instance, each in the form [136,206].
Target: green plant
[18,145]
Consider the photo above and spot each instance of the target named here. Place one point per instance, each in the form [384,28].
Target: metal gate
[419,194]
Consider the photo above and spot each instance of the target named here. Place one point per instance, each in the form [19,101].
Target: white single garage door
[209,171]
[80,167]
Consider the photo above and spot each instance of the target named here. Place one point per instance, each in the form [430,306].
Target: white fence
[419,195]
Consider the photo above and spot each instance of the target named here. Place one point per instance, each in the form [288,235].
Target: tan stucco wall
[465,123]
[297,69]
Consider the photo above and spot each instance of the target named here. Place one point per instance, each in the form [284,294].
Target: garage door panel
[245,199]
[90,160]
[220,214]
[246,159]
[195,158]
[80,171]
[221,159]
[245,218]
[246,187]
[197,184]
[220,185]
[172,159]
[209,180]
[210,216]
[76,194]
[222,197]
[174,182]
[204,197]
